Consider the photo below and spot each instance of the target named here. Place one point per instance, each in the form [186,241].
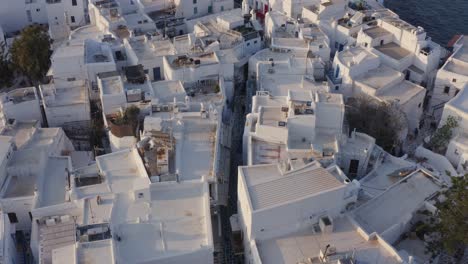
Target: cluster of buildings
[163,77]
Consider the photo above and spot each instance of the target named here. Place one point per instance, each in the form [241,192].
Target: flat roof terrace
[355,55]
[179,224]
[299,247]
[22,95]
[462,53]
[379,77]
[376,32]
[393,50]
[266,152]
[166,91]
[457,67]
[460,101]
[397,203]
[195,149]
[112,85]
[56,97]
[143,49]
[192,60]
[54,182]
[402,92]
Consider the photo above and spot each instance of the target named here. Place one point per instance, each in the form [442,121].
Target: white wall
[13,14]
[21,206]
[59,115]
[9,254]
[25,111]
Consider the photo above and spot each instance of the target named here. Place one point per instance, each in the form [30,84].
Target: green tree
[442,136]
[380,120]
[6,73]
[30,53]
[449,226]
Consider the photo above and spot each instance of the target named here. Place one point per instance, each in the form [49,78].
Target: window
[255,42]
[194,1]
[446,89]
[28,14]
[38,10]
[210,9]
[248,44]
[419,105]
[365,45]
[72,18]
[195,10]
[454,80]
[13,218]
[74,3]
[381,42]
[222,8]
[337,88]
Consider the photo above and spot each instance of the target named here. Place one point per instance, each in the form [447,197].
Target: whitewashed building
[66,102]
[60,15]
[451,78]
[8,253]
[295,216]
[21,104]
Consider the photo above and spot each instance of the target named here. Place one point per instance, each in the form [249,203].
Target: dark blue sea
[442,19]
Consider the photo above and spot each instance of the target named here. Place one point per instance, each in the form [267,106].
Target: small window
[74,3]
[454,80]
[365,45]
[13,218]
[28,14]
[255,42]
[194,1]
[195,10]
[146,71]
[222,8]
[320,46]
[38,10]
[72,18]
[419,105]
[337,88]
[248,44]
[446,89]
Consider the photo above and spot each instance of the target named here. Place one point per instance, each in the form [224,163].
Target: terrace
[394,51]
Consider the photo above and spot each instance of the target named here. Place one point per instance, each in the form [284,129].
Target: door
[407,75]
[341,47]
[157,73]
[353,167]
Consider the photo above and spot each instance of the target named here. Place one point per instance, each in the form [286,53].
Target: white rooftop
[397,203]
[460,102]
[355,55]
[299,247]
[166,91]
[269,186]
